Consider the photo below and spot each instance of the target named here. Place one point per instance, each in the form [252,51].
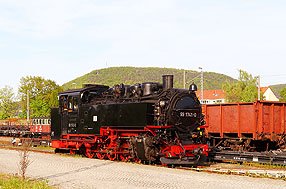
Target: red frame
[108,136]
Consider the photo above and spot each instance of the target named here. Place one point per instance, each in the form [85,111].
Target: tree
[232,92]
[39,107]
[245,90]
[283,95]
[7,101]
[42,95]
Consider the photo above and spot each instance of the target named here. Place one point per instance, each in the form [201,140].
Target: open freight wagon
[246,122]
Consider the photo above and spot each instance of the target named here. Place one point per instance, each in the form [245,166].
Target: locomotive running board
[253,157]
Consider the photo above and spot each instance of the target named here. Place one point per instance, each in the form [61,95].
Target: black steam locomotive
[148,121]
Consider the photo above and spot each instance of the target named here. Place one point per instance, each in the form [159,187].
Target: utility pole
[184,79]
[258,87]
[202,84]
[28,107]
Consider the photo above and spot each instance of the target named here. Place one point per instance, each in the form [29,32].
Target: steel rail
[271,157]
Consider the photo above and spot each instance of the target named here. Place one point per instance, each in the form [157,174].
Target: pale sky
[65,39]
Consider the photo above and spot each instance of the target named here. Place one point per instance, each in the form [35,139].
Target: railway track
[272,157]
[27,149]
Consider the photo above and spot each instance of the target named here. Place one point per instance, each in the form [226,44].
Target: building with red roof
[268,94]
[212,96]
[218,96]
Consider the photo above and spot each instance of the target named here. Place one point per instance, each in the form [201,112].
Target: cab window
[72,103]
[75,103]
[63,102]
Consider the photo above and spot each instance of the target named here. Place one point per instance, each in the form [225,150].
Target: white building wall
[212,101]
[269,95]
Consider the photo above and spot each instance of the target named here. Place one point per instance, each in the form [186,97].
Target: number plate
[188,114]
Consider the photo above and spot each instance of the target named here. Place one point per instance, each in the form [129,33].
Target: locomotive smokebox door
[188,118]
[186,113]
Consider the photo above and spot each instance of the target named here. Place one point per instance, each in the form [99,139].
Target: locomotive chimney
[167,82]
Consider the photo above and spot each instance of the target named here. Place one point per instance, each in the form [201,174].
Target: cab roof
[86,87]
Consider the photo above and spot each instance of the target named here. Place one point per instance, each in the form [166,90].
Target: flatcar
[143,122]
[36,127]
[14,127]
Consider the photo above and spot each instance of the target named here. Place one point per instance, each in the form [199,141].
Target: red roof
[212,94]
[263,89]
[219,94]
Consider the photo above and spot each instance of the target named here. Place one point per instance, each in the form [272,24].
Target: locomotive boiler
[141,122]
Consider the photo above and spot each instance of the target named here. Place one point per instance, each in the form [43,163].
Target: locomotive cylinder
[167,82]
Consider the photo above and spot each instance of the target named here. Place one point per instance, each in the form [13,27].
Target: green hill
[132,75]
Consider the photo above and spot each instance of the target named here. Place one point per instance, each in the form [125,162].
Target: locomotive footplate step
[255,157]
[177,161]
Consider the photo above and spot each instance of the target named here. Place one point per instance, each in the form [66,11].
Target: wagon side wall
[260,119]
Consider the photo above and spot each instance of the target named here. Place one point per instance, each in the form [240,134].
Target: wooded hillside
[132,75]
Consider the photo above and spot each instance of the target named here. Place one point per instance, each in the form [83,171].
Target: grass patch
[264,165]
[45,147]
[11,182]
